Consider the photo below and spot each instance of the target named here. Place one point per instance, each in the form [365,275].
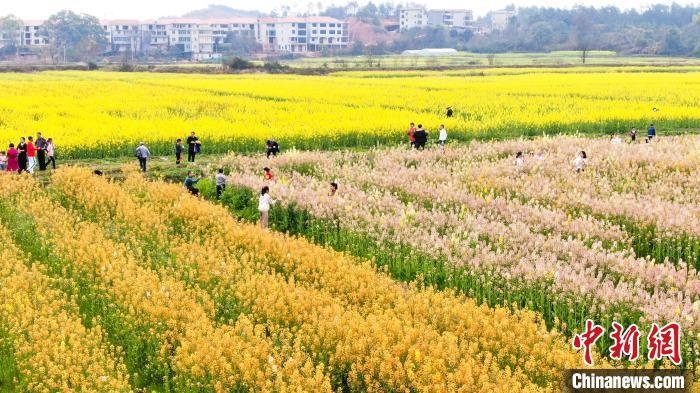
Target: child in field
[651,134]
[633,135]
[190,181]
[178,151]
[519,162]
[220,183]
[3,161]
[334,189]
[264,203]
[51,153]
[268,174]
[442,137]
[580,161]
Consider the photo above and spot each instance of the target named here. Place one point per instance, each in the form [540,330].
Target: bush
[238,63]
[92,66]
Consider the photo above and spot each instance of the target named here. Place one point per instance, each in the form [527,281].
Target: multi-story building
[419,17]
[154,36]
[302,34]
[31,34]
[501,19]
[457,19]
[123,35]
[412,17]
[204,39]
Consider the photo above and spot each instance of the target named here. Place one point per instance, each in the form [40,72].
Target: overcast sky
[145,9]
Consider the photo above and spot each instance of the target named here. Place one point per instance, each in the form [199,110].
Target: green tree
[10,27]
[77,37]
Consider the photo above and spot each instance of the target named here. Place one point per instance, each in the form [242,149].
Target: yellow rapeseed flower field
[195,300]
[98,114]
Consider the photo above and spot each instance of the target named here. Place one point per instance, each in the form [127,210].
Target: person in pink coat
[12,161]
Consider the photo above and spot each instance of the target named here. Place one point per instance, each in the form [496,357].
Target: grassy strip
[141,357]
[8,365]
[357,140]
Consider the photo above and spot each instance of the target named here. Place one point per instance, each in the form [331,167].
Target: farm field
[102,114]
[467,59]
[192,300]
[618,242]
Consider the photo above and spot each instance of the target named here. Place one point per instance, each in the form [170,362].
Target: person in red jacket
[31,155]
[411,138]
[268,173]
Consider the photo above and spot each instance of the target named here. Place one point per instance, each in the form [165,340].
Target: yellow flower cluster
[335,317]
[52,348]
[107,113]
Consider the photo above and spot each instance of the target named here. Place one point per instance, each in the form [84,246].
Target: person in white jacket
[580,161]
[442,137]
[264,203]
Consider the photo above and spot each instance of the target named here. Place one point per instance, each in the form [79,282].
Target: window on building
[27,35]
[36,42]
[302,32]
[313,25]
[314,31]
[322,25]
[323,32]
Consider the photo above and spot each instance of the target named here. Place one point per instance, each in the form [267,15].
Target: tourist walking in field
[178,151]
[142,153]
[333,189]
[193,147]
[268,174]
[272,148]
[3,161]
[190,181]
[421,137]
[264,203]
[411,138]
[41,151]
[633,135]
[22,155]
[50,153]
[519,162]
[442,137]
[31,155]
[449,112]
[580,161]
[220,183]
[651,133]
[12,158]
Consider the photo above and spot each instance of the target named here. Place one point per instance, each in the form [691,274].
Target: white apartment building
[202,39]
[302,34]
[412,17]
[31,34]
[419,17]
[501,19]
[457,19]
[154,36]
[123,35]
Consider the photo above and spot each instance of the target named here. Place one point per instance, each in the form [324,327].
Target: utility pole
[64,53]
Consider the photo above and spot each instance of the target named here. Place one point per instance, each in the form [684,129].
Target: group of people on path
[28,154]
[194,147]
[418,136]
